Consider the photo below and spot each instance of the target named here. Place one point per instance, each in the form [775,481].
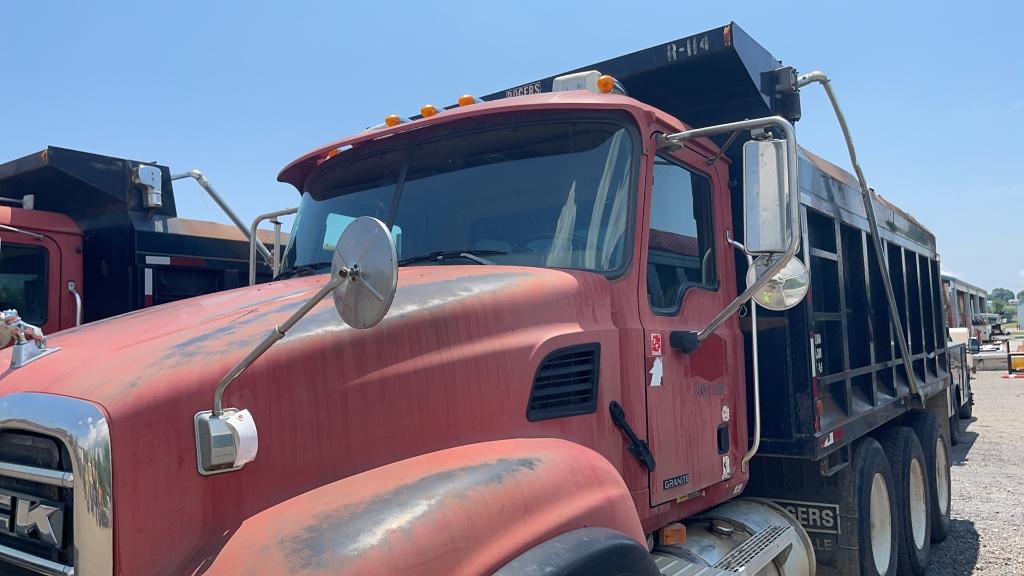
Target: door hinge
[637,447]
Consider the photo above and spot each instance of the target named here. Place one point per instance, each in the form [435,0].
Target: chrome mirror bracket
[29,341]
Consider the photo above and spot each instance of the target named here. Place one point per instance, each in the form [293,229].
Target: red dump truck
[610,322]
[85,236]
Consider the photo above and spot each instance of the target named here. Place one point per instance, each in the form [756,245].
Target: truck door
[30,278]
[696,423]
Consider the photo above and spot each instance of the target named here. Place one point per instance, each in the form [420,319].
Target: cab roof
[300,170]
[38,220]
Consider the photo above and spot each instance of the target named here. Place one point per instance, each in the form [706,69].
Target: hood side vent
[566,383]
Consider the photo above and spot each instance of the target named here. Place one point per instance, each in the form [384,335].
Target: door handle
[78,302]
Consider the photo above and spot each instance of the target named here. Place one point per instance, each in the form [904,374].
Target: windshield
[552,194]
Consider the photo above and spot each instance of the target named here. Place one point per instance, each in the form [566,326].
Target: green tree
[998,299]
[1001,295]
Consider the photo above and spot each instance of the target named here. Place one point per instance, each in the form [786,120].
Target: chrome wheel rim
[942,476]
[917,499]
[880,516]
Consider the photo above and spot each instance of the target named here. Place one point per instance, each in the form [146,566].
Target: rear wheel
[936,454]
[910,482]
[876,526]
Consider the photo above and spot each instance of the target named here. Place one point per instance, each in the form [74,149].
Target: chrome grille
[36,501]
[56,516]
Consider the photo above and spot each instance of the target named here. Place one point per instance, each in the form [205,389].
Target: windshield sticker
[336,224]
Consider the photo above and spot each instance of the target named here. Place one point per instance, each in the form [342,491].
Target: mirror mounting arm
[364,265]
[277,333]
[794,203]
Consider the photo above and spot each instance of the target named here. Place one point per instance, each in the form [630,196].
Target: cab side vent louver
[566,383]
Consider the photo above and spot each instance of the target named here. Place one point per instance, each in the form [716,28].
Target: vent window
[565,384]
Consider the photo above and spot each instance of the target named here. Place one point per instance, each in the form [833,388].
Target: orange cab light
[428,110]
[333,153]
[467,99]
[392,120]
[606,84]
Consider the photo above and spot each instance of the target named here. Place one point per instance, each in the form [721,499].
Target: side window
[680,244]
[23,281]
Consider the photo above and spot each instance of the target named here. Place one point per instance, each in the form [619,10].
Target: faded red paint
[451,365]
[374,522]
[298,171]
[684,413]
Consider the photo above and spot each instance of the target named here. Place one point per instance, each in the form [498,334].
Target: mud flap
[824,505]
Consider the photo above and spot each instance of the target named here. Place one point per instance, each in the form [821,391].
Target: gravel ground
[987,535]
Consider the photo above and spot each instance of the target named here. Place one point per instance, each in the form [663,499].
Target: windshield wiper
[304,270]
[474,255]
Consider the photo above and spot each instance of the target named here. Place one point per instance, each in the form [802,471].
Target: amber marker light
[606,84]
[467,99]
[673,534]
[428,110]
[392,120]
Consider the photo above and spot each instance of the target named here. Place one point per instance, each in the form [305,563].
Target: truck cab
[573,185]
[40,254]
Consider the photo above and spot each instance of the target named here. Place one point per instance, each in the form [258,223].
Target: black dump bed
[122,239]
[718,76]
[87,187]
[829,367]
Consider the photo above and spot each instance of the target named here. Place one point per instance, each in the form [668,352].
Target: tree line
[999,299]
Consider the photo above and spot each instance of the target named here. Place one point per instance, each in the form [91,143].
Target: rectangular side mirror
[973,346]
[766,226]
[150,179]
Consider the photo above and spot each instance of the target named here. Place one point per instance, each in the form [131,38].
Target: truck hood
[204,336]
[452,363]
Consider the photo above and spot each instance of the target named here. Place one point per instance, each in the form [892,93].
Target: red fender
[465,510]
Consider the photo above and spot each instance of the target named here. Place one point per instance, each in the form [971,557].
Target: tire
[874,489]
[910,483]
[936,454]
[588,551]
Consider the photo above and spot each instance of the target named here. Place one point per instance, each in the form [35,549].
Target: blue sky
[934,91]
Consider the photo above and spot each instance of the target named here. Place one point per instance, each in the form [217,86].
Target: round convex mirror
[367,250]
[785,290]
